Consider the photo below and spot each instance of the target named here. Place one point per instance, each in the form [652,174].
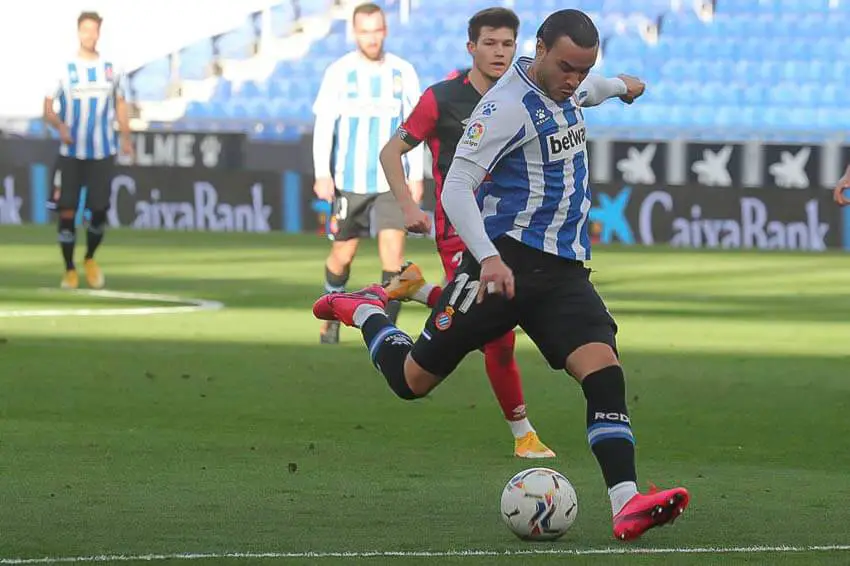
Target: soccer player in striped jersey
[527,241]
[90,92]
[364,97]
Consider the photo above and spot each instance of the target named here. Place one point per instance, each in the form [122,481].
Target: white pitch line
[430,554]
[177,305]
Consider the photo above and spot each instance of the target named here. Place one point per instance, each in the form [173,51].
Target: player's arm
[49,114]
[416,156]
[486,141]
[122,114]
[595,89]
[326,110]
[839,193]
[416,129]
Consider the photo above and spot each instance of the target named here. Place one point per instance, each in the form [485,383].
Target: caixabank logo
[694,217]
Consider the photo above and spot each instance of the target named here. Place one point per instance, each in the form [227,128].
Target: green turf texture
[236,431]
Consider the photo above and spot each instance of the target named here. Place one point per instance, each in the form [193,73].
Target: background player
[439,119]
[363,99]
[90,92]
[532,222]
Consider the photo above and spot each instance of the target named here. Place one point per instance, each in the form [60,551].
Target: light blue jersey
[86,93]
[367,101]
[536,153]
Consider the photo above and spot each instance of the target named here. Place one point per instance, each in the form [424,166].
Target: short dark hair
[574,24]
[367,9]
[93,16]
[495,18]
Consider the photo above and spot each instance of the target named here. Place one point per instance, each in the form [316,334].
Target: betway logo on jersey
[561,143]
[173,209]
[697,217]
[10,203]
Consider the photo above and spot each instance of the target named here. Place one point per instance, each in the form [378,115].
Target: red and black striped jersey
[439,119]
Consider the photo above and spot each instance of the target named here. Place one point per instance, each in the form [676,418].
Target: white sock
[620,495]
[363,312]
[521,427]
[421,296]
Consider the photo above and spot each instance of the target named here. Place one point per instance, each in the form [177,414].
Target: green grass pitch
[235,431]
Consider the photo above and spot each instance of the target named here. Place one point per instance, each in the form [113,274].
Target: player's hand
[416,220]
[127,148]
[324,188]
[634,88]
[65,134]
[496,279]
[843,185]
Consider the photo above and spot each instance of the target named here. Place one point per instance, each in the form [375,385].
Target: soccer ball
[539,504]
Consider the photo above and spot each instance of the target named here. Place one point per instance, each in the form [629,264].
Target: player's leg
[69,199]
[349,210]
[566,318]
[457,326]
[97,175]
[389,224]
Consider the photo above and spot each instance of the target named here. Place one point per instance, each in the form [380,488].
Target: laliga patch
[443,321]
[474,133]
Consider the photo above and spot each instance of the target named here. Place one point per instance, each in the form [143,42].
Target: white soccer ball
[539,504]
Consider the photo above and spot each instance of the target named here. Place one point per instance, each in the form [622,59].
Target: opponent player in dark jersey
[439,120]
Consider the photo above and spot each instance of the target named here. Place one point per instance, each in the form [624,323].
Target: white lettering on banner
[752,230]
[204,213]
[173,150]
[10,203]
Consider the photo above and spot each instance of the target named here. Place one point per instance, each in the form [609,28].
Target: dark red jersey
[439,119]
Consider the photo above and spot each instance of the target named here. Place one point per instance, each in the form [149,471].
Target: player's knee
[501,350]
[591,358]
[98,220]
[419,381]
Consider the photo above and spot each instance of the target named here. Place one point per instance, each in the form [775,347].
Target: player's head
[370,30]
[567,46]
[88,30]
[492,41]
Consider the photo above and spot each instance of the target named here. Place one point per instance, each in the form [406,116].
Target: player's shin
[67,240]
[609,433]
[94,235]
[388,347]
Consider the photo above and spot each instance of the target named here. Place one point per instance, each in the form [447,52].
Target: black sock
[336,283]
[388,348]
[609,430]
[67,240]
[393,308]
[94,236]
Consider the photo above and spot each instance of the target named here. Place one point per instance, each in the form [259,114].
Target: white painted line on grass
[430,554]
[176,305]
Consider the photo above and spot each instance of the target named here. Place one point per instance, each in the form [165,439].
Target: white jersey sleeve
[496,127]
[595,90]
[326,108]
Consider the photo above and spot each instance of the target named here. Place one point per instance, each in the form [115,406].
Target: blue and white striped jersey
[535,151]
[367,101]
[86,92]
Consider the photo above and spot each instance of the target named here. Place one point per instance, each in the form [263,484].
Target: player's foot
[530,446]
[330,332]
[70,280]
[654,509]
[404,284]
[94,275]
[341,306]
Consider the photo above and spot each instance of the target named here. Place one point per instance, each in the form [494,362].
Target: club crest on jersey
[108,72]
[398,85]
[474,133]
[443,321]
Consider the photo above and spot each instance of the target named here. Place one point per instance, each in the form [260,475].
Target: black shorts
[555,303]
[354,214]
[94,174]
